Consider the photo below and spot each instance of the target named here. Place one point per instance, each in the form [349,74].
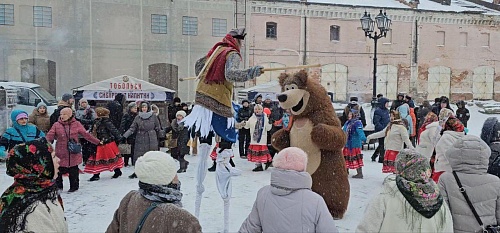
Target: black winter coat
[421,114]
[115,113]
[106,131]
[180,133]
[244,114]
[127,121]
[463,115]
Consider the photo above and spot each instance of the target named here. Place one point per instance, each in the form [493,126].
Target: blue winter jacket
[11,137]
[357,137]
[381,116]
[404,110]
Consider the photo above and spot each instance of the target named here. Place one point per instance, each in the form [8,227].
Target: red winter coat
[60,131]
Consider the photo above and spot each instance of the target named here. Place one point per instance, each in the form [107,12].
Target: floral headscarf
[32,167]
[413,178]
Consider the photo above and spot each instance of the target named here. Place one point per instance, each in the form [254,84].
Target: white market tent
[133,88]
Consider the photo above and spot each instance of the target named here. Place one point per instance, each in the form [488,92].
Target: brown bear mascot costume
[315,129]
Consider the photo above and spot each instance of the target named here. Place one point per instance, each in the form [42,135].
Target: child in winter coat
[396,135]
[107,156]
[410,201]
[258,124]
[463,113]
[181,134]
[355,137]
[290,187]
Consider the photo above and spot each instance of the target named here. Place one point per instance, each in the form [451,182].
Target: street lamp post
[368,25]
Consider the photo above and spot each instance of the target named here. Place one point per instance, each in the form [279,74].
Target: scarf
[259,127]
[162,193]
[351,127]
[413,179]
[32,168]
[216,71]
[453,124]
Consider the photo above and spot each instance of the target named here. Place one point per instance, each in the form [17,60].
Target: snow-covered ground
[91,208]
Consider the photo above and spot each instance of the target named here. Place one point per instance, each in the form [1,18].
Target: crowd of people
[440,178]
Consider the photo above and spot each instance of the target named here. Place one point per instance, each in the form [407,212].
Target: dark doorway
[40,71]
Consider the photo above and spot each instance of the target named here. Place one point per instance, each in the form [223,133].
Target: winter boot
[74,179]
[232,163]
[117,174]
[133,176]
[268,165]
[213,168]
[95,177]
[183,167]
[258,168]
[359,175]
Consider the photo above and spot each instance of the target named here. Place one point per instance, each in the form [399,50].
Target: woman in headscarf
[355,137]
[258,124]
[146,127]
[410,200]
[396,136]
[31,203]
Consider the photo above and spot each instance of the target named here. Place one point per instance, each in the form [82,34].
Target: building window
[271,30]
[219,27]
[6,14]
[334,33]
[440,39]
[463,39]
[159,24]
[42,16]
[189,26]
[485,39]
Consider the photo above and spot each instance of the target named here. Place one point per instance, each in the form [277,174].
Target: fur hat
[291,158]
[102,112]
[491,130]
[131,105]
[66,97]
[182,113]
[156,168]
[354,99]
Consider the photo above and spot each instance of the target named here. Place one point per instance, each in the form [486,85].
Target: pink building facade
[426,54]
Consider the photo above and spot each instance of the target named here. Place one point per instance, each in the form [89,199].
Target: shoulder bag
[73,146]
[145,216]
[485,229]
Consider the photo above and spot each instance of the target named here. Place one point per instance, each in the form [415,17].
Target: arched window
[271,30]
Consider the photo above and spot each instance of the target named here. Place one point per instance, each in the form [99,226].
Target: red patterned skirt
[213,155]
[389,159]
[259,154]
[107,158]
[353,158]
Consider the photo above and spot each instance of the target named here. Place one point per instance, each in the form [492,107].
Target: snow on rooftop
[456,5]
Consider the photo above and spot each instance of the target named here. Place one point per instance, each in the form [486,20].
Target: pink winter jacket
[60,131]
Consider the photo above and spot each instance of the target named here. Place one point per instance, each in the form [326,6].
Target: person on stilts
[213,112]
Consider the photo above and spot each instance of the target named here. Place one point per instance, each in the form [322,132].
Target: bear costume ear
[282,78]
[301,77]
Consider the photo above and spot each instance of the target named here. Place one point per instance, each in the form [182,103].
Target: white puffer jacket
[445,142]
[428,139]
[469,159]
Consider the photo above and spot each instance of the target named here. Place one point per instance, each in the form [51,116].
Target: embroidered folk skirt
[107,158]
[353,158]
[389,159]
[258,154]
